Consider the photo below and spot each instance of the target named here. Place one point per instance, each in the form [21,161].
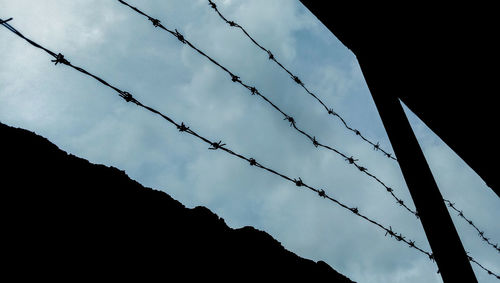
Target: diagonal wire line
[296,79]
[60,59]
[288,118]
[471,223]
[376,146]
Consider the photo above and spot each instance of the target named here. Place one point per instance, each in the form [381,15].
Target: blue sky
[86,119]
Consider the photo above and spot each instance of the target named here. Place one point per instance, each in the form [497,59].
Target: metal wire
[296,79]
[60,59]
[254,91]
[376,146]
[471,223]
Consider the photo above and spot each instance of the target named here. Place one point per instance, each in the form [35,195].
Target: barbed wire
[376,146]
[296,79]
[128,97]
[471,223]
[254,91]
[213,145]
[471,259]
[290,119]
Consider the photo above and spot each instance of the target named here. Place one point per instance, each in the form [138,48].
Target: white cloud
[88,120]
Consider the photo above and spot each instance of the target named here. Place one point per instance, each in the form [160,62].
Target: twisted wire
[254,91]
[60,59]
[296,79]
[471,223]
[376,146]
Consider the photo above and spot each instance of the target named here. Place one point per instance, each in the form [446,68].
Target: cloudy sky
[89,120]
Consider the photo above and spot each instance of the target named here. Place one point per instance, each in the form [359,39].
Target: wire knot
[127,96]
[322,193]
[216,145]
[298,182]
[401,202]
[253,90]
[179,36]
[351,160]
[389,189]
[461,213]
[389,231]
[182,127]
[297,80]
[291,120]
[155,22]
[357,132]
[331,112]
[376,146]
[431,257]
[388,155]
[252,161]
[231,23]
[235,78]
[362,169]
[212,4]
[354,210]
[399,237]
[315,142]
[271,56]
[412,244]
[60,59]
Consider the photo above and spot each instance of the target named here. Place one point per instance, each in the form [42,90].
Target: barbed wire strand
[482,267]
[296,79]
[471,223]
[376,146]
[60,59]
[288,118]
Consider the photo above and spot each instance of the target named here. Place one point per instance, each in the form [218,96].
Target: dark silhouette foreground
[65,218]
[436,60]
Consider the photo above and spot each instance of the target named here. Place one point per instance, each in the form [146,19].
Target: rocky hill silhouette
[65,219]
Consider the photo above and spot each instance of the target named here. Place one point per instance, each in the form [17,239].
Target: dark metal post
[452,261]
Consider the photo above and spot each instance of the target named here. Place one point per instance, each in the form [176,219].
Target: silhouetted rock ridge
[64,219]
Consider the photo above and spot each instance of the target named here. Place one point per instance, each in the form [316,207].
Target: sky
[89,120]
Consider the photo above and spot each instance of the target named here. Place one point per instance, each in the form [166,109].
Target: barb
[216,145]
[479,232]
[288,118]
[156,23]
[297,80]
[219,145]
[60,59]
[182,128]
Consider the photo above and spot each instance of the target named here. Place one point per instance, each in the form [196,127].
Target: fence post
[450,256]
